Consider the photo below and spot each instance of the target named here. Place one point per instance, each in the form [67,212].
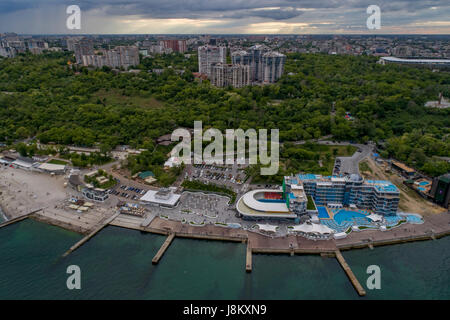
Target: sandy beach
[23,191]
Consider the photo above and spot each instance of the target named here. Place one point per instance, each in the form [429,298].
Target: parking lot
[198,208]
[228,175]
[128,192]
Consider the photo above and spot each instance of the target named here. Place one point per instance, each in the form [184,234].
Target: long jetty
[163,248]
[248,263]
[350,273]
[91,234]
[22,217]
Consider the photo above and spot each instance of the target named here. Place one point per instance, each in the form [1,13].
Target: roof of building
[312,228]
[251,202]
[403,166]
[150,197]
[383,186]
[52,167]
[423,61]
[267,227]
[22,163]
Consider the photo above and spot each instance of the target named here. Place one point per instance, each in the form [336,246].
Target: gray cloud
[38,15]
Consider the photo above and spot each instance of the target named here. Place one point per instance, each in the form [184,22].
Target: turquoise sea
[116,264]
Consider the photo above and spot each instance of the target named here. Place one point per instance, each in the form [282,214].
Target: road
[350,165]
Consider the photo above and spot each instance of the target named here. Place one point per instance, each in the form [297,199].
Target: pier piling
[248,265]
[350,274]
[163,248]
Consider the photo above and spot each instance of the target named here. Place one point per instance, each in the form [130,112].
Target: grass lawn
[364,167]
[325,153]
[115,97]
[56,161]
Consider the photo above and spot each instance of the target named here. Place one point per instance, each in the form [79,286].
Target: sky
[225,16]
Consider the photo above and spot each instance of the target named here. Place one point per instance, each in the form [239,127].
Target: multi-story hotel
[379,196]
[291,201]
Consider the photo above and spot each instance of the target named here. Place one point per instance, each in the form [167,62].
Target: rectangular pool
[323,213]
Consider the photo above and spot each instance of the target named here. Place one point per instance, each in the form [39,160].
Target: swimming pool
[346,215]
[413,219]
[323,213]
[421,188]
[424,183]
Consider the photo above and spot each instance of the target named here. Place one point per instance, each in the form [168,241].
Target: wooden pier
[248,264]
[90,235]
[22,217]
[163,248]
[350,274]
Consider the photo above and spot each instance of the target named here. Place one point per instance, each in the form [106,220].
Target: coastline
[25,190]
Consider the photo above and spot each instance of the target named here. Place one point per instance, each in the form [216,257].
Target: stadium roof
[251,202]
[420,61]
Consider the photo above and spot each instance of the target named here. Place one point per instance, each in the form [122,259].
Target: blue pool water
[323,214]
[392,220]
[424,183]
[413,219]
[344,215]
[421,188]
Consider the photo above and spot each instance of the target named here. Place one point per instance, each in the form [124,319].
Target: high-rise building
[129,56]
[223,75]
[6,50]
[121,56]
[208,55]
[241,57]
[70,42]
[257,52]
[272,66]
[81,48]
[174,44]
[265,66]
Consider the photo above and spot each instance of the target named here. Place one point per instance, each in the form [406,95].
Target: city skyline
[231,17]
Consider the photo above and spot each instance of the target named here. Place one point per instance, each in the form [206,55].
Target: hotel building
[379,196]
[291,201]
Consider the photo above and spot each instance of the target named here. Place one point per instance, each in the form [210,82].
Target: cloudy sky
[225,16]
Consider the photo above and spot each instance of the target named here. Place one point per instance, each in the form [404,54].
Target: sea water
[117,264]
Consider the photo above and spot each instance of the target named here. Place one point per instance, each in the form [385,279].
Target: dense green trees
[42,96]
